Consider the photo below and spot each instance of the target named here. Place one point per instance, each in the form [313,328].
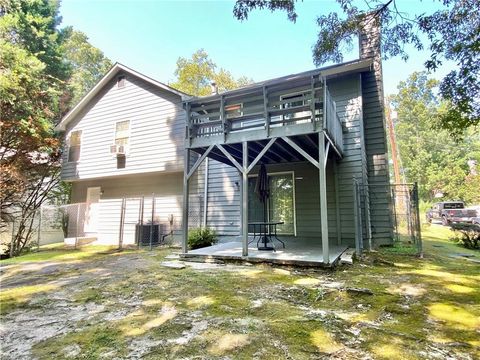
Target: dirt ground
[96,304]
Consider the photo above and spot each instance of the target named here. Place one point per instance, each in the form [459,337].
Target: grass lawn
[94,303]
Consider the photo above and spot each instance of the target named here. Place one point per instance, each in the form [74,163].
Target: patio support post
[186,165]
[245,200]
[323,197]
[337,204]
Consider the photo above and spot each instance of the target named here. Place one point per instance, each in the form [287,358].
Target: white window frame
[297,93]
[292,173]
[69,146]
[129,133]
[231,105]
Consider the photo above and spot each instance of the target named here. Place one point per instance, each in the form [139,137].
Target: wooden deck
[296,253]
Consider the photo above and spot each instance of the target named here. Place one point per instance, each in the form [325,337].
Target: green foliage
[201,237]
[195,75]
[31,86]
[452,33]
[467,234]
[88,63]
[42,68]
[429,155]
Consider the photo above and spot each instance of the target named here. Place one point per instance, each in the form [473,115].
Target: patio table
[268,231]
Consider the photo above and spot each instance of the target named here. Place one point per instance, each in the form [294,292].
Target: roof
[353,66]
[116,68]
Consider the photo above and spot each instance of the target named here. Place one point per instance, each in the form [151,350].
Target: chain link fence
[141,221]
[404,208]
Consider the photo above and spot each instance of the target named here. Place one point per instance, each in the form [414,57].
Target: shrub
[201,237]
[467,234]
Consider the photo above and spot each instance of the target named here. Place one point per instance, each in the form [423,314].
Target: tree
[33,81]
[195,75]
[87,63]
[453,33]
[42,69]
[431,156]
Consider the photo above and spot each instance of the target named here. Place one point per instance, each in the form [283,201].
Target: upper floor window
[122,132]
[74,146]
[121,81]
[234,110]
[293,100]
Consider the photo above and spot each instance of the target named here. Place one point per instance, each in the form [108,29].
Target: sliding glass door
[280,205]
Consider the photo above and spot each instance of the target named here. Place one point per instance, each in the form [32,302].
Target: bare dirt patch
[127,305]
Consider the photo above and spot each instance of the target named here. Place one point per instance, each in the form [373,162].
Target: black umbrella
[262,190]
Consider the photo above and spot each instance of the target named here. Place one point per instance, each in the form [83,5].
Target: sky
[149,36]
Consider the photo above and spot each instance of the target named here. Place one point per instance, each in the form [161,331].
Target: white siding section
[157,127]
[166,187]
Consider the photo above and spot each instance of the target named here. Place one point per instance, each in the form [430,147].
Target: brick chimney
[369,37]
[213,88]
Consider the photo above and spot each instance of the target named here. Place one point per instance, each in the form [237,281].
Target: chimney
[214,88]
[369,36]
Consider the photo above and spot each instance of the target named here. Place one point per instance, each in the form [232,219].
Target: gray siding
[224,199]
[223,212]
[224,208]
[155,163]
[346,93]
[156,131]
[377,159]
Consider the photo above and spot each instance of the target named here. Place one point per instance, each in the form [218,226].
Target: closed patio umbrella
[262,190]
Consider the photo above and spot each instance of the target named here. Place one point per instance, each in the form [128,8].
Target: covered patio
[280,123]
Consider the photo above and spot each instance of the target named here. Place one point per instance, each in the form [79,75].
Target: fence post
[77,225]
[122,224]
[140,222]
[355,216]
[417,217]
[13,239]
[395,223]
[151,225]
[39,229]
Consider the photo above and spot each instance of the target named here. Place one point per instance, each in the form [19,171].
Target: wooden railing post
[265,111]
[312,102]
[325,104]
[222,118]
[188,125]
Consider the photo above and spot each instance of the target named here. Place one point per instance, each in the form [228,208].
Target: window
[121,81]
[74,146]
[233,110]
[122,132]
[281,203]
[297,99]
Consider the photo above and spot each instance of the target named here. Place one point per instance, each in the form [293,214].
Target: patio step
[347,257]
[201,259]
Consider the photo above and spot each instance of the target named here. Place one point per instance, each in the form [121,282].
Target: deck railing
[333,124]
[265,110]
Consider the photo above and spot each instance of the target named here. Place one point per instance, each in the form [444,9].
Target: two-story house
[317,131]
[124,139]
